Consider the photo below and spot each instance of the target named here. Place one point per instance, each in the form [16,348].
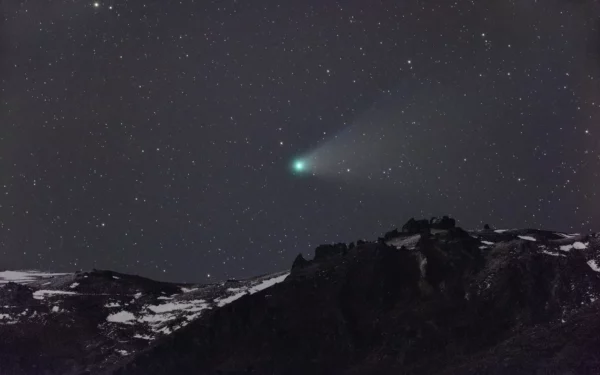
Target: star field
[159,138]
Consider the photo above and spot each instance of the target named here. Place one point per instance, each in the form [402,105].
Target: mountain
[429,298]
[84,322]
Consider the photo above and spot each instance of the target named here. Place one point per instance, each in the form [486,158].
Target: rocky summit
[428,298]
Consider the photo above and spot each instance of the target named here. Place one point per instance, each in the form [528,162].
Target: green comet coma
[299,166]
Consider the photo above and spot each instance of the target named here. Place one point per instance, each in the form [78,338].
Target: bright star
[96,5]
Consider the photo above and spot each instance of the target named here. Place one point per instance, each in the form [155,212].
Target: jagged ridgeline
[426,298]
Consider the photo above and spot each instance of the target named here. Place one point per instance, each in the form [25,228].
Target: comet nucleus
[299,166]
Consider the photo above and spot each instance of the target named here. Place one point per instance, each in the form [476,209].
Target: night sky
[159,137]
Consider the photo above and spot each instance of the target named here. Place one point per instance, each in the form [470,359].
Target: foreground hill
[84,322]
[431,298]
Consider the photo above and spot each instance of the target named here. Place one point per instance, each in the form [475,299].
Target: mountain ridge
[429,298]
[441,302]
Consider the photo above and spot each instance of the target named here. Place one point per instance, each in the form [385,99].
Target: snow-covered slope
[26,277]
[105,315]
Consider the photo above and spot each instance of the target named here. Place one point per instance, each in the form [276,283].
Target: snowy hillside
[113,314]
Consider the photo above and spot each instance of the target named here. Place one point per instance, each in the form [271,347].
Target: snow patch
[408,242]
[564,235]
[55,309]
[227,300]
[187,290]
[253,289]
[165,331]
[138,295]
[553,254]
[576,245]
[193,316]
[195,305]
[74,285]
[593,265]
[422,266]
[489,243]
[41,294]
[25,277]
[159,316]
[527,238]
[112,304]
[500,230]
[124,317]
[268,283]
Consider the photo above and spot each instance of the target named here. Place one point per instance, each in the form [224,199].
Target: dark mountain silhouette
[431,298]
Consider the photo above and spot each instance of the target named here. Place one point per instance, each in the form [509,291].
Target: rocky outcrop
[16,294]
[445,223]
[413,226]
[327,251]
[449,305]
[299,262]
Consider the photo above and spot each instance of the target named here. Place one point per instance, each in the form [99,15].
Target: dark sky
[155,137]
